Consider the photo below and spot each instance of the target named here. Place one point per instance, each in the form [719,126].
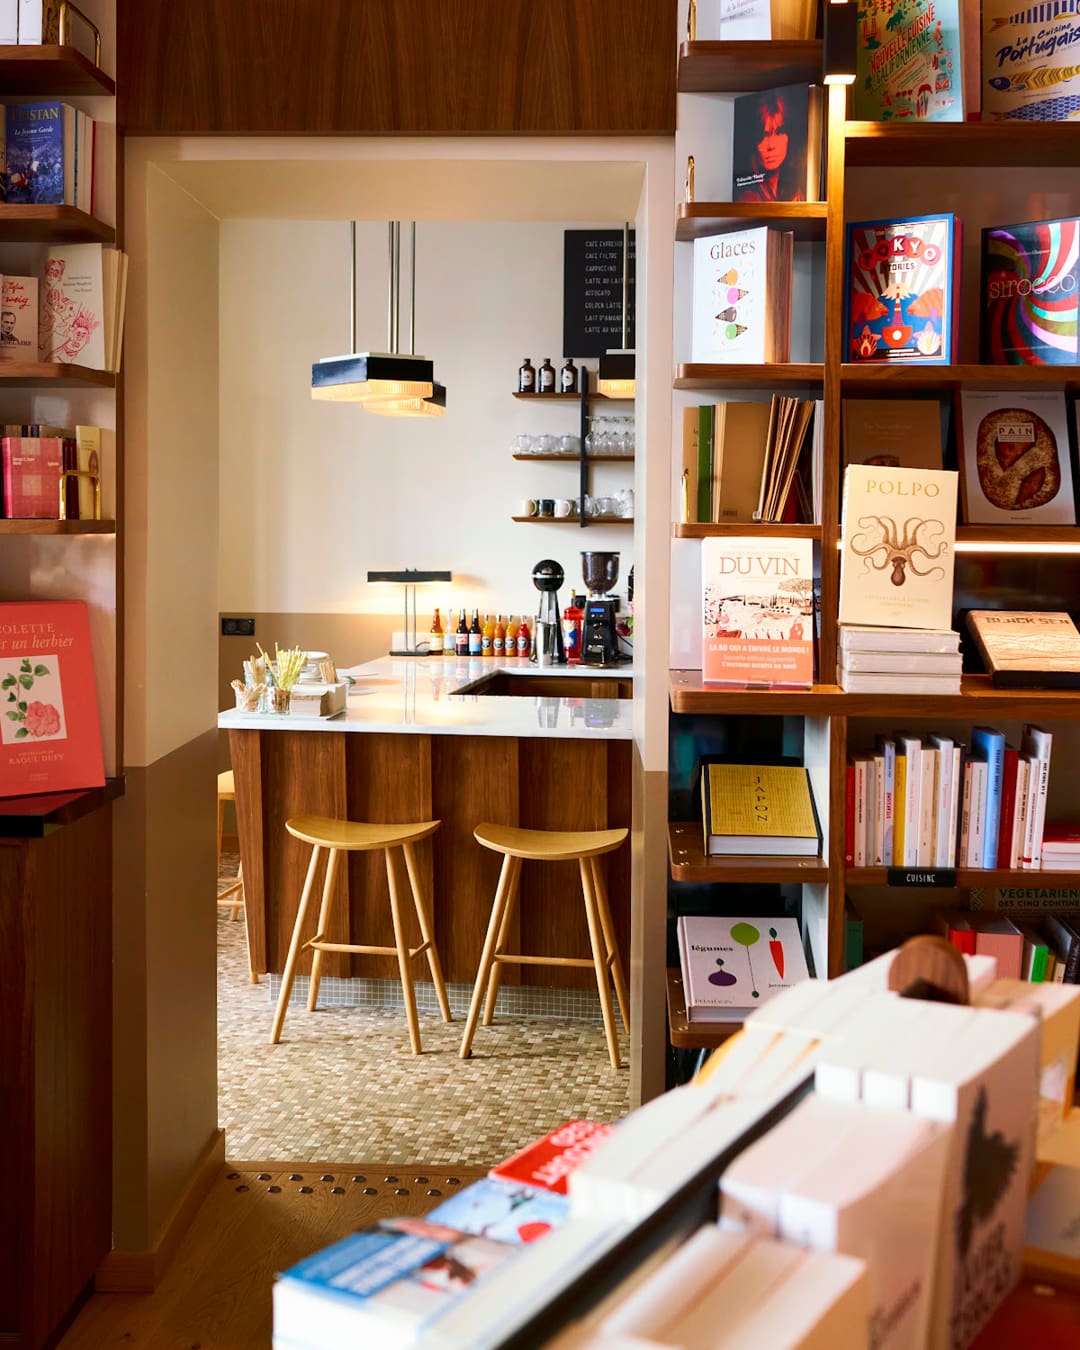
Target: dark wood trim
[34,817]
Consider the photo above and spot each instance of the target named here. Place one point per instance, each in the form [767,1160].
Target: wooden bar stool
[516,845]
[349,836]
[233,897]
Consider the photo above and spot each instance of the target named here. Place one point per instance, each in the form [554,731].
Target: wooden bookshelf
[54,374]
[789,375]
[51,72]
[689,862]
[945,145]
[57,526]
[806,220]
[765,529]
[687,1035]
[741,67]
[51,225]
[1031,535]
[883,377]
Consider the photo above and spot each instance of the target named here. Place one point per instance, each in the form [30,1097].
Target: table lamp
[410,578]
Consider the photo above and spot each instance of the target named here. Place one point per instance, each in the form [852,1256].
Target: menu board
[592,292]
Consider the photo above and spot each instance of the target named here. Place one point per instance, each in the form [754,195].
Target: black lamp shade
[840,45]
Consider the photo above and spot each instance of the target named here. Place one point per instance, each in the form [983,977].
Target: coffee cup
[526,507]
[563,507]
[545,506]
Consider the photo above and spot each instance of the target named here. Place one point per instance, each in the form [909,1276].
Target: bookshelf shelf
[789,375]
[57,526]
[690,863]
[687,1035]
[973,535]
[880,376]
[806,220]
[573,520]
[767,529]
[51,225]
[575,459]
[956,144]
[740,67]
[51,374]
[51,72]
[569,398]
[974,876]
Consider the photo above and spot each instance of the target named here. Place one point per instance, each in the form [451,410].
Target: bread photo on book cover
[1016,458]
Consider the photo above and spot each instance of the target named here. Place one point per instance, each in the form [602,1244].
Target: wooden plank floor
[258,1219]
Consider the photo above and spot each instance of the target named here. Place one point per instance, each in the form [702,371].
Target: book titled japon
[50,735]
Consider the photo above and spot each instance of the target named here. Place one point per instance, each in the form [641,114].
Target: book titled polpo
[50,737]
[758,611]
[898,539]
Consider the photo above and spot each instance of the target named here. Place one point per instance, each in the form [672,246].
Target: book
[758,809]
[1028,71]
[895,433]
[758,610]
[548,1162]
[742,297]
[902,663]
[776,149]
[395,1281]
[39,22]
[857,682]
[1007,817]
[908,62]
[50,735]
[9,22]
[755,20]
[73,306]
[855,637]
[741,443]
[1016,459]
[1064,939]
[898,534]
[31,468]
[1037,960]
[731,966]
[690,476]
[1030,292]
[863,837]
[853,937]
[40,151]
[91,444]
[1027,649]
[988,746]
[19,319]
[789,421]
[1063,839]
[505,1211]
[706,422]
[1035,746]
[903,279]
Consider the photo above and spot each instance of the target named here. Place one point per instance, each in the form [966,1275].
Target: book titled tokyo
[50,736]
[549,1162]
[34,133]
[739,963]
[907,62]
[730,283]
[903,289]
[1029,61]
[898,539]
[758,611]
[1031,292]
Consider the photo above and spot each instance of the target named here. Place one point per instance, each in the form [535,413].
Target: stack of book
[1044,951]
[1061,848]
[33,458]
[876,660]
[732,966]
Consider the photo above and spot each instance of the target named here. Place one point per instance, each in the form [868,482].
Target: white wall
[314,494]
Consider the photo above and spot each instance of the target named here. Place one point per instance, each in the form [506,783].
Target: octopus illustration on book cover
[66,325]
[900,287]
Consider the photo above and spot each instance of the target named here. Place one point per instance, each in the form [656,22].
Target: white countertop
[418,694]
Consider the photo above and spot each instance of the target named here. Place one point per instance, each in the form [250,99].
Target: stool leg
[596,941]
[494,923]
[289,973]
[402,949]
[495,978]
[220,826]
[320,928]
[606,924]
[253,974]
[426,931]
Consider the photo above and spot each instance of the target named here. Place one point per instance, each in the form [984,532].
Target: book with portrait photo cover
[776,152]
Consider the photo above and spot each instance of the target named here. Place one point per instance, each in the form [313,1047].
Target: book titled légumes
[732,966]
[758,809]
[50,737]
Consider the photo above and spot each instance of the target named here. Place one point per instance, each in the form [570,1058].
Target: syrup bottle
[476,637]
[461,637]
[568,377]
[573,617]
[435,641]
[499,643]
[523,637]
[545,377]
[511,636]
[527,378]
[487,637]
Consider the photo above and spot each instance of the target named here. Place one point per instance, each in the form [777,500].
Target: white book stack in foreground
[872,660]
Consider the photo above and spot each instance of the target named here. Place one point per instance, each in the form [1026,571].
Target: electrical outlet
[238,628]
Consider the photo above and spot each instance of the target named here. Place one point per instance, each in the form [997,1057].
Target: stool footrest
[581,961]
[317,944]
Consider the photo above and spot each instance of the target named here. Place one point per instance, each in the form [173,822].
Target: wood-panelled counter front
[459,741]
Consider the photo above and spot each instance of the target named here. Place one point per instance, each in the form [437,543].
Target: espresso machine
[547,646]
[599,640]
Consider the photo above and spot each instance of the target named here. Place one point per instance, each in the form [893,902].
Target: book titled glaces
[1017,463]
[907,64]
[732,966]
[903,289]
[742,297]
[898,538]
[758,611]
[50,737]
[1031,293]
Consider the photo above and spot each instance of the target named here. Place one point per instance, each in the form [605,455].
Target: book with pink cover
[31,467]
[998,937]
[50,737]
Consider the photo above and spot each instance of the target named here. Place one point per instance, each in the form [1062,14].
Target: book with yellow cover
[758,809]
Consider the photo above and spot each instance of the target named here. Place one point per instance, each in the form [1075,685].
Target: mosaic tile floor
[342,1083]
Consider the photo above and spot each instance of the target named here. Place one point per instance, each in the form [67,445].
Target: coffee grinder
[599,640]
[547,649]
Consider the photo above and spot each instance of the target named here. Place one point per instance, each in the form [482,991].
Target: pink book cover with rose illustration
[71,317]
[50,737]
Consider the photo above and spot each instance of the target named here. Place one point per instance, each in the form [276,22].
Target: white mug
[526,507]
[563,507]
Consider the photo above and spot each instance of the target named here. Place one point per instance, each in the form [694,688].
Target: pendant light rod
[390,286]
[397,286]
[412,288]
[625,280]
[352,286]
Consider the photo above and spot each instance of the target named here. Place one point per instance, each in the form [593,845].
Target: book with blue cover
[36,152]
[506,1211]
[907,65]
[988,745]
[1031,293]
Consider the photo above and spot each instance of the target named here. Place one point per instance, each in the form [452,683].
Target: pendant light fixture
[368,378]
[432,404]
[616,375]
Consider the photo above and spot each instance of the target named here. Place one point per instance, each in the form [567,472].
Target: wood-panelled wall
[422,67]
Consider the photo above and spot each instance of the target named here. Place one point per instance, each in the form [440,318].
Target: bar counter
[450,740]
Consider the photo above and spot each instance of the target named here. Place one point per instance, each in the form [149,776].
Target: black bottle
[527,378]
[568,377]
[545,382]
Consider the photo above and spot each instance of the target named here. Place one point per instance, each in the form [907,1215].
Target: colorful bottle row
[545,380]
[492,637]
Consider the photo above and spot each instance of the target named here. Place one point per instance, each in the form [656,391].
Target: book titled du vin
[758,611]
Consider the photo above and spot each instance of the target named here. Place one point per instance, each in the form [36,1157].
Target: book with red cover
[956,926]
[1008,807]
[32,467]
[549,1162]
[50,737]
